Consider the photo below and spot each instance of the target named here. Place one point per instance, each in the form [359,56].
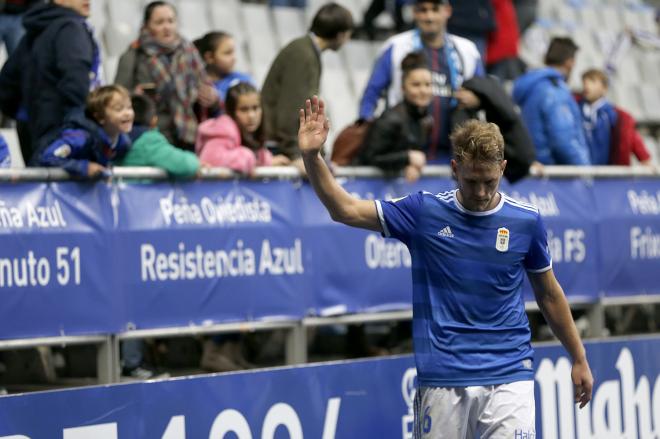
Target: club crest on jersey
[502,243]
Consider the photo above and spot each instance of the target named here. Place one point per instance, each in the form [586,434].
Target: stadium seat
[611,18]
[110,64]
[649,65]
[11,137]
[117,36]
[262,42]
[653,147]
[547,9]
[193,18]
[650,94]
[627,97]
[125,12]
[98,15]
[289,23]
[226,17]
[640,18]
[590,18]
[568,16]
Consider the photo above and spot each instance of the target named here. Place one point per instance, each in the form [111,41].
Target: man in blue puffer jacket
[549,110]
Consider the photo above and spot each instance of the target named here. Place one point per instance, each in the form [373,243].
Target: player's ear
[503,166]
[454,168]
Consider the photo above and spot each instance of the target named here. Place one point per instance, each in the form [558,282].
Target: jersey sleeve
[398,217]
[538,258]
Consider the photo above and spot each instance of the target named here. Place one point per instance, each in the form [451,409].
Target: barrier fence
[133,258]
[371,398]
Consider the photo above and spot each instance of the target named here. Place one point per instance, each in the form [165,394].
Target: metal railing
[290,172]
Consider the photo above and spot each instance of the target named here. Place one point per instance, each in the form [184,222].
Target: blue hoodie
[82,141]
[552,117]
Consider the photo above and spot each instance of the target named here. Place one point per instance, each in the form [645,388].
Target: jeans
[11,30]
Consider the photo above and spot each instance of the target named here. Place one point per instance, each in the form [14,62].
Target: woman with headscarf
[169,69]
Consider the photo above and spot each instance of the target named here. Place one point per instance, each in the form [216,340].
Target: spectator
[452,60]
[11,26]
[5,155]
[502,52]
[151,148]
[474,20]
[395,8]
[296,74]
[168,68]
[610,131]
[50,73]
[219,53]
[397,139]
[236,140]
[549,110]
[88,143]
[485,95]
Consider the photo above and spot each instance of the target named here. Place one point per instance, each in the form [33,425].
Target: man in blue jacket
[452,60]
[549,110]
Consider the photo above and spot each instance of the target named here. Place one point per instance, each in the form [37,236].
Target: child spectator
[218,51]
[236,140]
[151,148]
[610,131]
[5,156]
[397,139]
[90,142]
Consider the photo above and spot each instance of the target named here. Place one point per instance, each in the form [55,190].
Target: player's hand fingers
[308,110]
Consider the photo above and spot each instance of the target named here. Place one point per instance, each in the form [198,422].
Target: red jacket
[626,141]
[503,41]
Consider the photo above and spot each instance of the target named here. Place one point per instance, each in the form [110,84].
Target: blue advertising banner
[56,274]
[371,398]
[80,258]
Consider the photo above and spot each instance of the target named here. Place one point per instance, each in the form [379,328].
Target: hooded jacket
[219,144]
[552,117]
[151,148]
[49,73]
[82,141]
[499,109]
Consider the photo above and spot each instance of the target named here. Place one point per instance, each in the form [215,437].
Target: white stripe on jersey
[381,218]
[520,204]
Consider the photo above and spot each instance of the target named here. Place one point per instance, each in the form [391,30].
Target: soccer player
[470,249]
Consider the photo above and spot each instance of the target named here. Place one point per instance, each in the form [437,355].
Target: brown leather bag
[349,142]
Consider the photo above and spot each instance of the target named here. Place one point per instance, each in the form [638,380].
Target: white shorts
[504,411]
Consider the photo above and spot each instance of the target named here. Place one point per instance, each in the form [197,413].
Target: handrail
[292,173]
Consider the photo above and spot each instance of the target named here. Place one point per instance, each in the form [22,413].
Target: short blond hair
[477,142]
[100,98]
[598,75]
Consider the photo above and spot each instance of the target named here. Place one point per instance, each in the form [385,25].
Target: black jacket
[398,130]
[471,18]
[518,146]
[48,75]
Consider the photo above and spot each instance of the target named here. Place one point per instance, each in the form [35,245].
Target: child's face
[248,112]
[593,89]
[224,56]
[417,88]
[118,117]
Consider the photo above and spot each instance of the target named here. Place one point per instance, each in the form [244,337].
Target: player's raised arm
[342,206]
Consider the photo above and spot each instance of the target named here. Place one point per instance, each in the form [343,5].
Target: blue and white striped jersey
[469,321]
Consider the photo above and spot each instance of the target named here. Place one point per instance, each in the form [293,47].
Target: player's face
[431,18]
[478,184]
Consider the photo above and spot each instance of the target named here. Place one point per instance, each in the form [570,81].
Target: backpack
[349,142]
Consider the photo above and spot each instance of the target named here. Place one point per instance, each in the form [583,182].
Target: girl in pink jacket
[236,140]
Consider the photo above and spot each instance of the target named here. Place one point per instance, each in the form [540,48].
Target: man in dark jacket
[51,72]
[296,74]
[499,109]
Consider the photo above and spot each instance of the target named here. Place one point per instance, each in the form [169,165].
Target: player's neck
[491,205]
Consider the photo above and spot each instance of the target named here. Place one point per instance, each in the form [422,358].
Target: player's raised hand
[314,126]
